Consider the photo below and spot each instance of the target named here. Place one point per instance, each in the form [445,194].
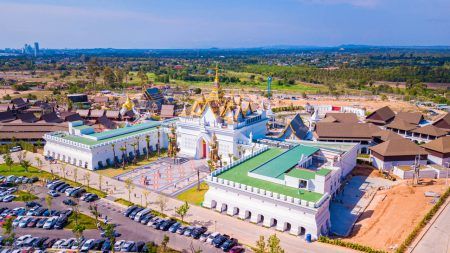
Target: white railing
[269,194]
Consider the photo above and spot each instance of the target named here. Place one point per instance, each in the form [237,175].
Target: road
[130,230]
[437,238]
[246,232]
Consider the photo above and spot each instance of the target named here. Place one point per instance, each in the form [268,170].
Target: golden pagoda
[128,105]
[216,93]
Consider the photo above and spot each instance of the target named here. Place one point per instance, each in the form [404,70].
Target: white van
[141,214]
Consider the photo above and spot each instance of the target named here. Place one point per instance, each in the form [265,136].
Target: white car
[24,222]
[21,239]
[58,243]
[53,193]
[16,221]
[87,245]
[211,237]
[9,198]
[118,244]
[50,222]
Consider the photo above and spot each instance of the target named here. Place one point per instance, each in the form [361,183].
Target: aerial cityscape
[265,126]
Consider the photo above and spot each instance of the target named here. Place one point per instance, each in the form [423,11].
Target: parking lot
[114,214]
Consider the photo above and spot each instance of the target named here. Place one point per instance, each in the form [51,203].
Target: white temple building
[233,121]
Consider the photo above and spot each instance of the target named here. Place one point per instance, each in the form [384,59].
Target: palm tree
[147,141]
[113,146]
[135,152]
[137,143]
[123,149]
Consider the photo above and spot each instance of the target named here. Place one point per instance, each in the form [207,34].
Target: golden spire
[128,105]
[216,80]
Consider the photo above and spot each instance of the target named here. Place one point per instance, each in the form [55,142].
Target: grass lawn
[18,170]
[24,196]
[83,219]
[123,202]
[193,196]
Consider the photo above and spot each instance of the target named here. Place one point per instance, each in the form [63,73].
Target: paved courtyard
[166,175]
[352,201]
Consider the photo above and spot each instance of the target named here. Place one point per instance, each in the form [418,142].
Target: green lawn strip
[24,196]
[193,196]
[18,170]
[84,220]
[123,202]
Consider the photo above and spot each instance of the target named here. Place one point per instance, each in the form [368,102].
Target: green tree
[182,210]
[94,211]
[49,202]
[147,142]
[260,245]
[124,150]
[163,246]
[130,186]
[8,231]
[77,231]
[8,160]
[108,76]
[110,233]
[113,146]
[273,244]
[25,164]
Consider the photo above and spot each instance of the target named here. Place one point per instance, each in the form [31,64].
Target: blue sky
[222,23]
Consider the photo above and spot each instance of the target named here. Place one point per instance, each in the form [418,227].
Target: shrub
[350,245]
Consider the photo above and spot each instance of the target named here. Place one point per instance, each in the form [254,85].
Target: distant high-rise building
[36,48]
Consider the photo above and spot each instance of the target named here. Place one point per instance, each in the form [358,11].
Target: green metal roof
[82,127]
[302,174]
[239,174]
[279,165]
[125,130]
[117,134]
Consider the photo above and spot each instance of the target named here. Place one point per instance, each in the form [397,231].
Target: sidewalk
[247,233]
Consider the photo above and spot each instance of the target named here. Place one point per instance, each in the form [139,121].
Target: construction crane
[269,88]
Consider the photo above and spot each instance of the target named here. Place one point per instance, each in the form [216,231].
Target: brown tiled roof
[51,118]
[7,116]
[113,114]
[443,122]
[96,113]
[382,115]
[386,135]
[410,117]
[167,111]
[27,117]
[70,116]
[401,125]
[441,145]
[343,130]
[340,117]
[430,130]
[28,130]
[83,113]
[398,147]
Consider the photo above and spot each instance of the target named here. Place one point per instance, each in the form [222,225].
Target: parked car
[98,244]
[228,244]
[50,223]
[118,245]
[198,231]
[49,243]
[174,227]
[41,222]
[9,198]
[127,246]
[147,218]
[33,222]
[165,225]
[157,223]
[181,229]
[53,193]
[15,149]
[88,245]
[24,222]
[219,240]
[67,244]
[17,220]
[69,202]
[129,210]
[106,246]
[136,211]
[188,231]
[204,236]
[237,249]
[57,244]
[61,222]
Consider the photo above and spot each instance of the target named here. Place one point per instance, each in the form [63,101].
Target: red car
[237,249]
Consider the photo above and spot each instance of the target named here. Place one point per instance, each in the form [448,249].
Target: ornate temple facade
[225,125]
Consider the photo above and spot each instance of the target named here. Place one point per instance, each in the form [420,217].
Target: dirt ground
[393,214]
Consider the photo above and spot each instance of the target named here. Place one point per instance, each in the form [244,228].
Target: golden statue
[214,150]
